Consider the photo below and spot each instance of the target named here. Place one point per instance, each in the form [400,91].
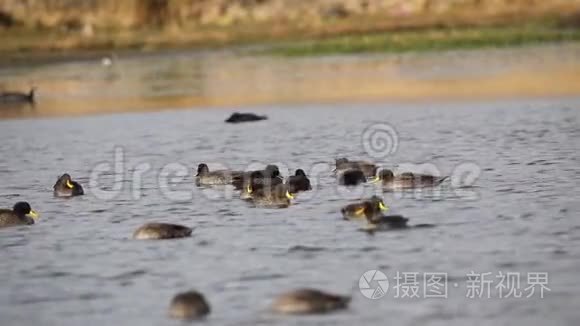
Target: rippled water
[78,265]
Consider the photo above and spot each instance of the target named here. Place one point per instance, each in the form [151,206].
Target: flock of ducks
[263,188]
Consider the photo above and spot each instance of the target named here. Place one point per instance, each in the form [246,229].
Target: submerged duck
[277,197]
[20,214]
[407,180]
[369,169]
[358,210]
[157,231]
[189,305]
[221,177]
[298,182]
[309,301]
[351,177]
[237,117]
[377,221]
[17,97]
[65,187]
[269,177]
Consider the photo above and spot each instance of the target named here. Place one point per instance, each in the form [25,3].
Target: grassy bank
[429,40]
[464,30]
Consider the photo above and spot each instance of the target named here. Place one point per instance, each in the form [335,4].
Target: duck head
[340,161]
[23,209]
[66,180]
[300,173]
[372,210]
[202,169]
[379,204]
[386,175]
[251,184]
[32,92]
[272,171]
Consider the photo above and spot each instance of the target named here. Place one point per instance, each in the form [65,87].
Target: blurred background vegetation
[313,26]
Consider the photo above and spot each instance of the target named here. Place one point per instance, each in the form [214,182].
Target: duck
[276,197]
[20,214]
[377,221]
[407,180]
[269,176]
[254,182]
[309,301]
[357,210]
[237,117]
[221,177]
[158,231]
[189,305]
[66,187]
[369,169]
[18,97]
[352,177]
[298,182]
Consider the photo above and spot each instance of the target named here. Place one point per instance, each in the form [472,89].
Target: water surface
[78,265]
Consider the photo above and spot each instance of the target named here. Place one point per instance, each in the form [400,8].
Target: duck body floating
[17,97]
[351,177]
[20,214]
[309,301]
[158,231]
[237,117]
[188,306]
[66,187]
[407,180]
[205,177]
[376,221]
[266,197]
[369,169]
[268,177]
[359,210]
[298,182]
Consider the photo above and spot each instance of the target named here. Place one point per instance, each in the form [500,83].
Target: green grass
[427,40]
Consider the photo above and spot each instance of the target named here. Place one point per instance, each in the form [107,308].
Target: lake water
[511,206]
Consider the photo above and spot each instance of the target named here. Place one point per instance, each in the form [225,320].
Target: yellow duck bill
[33,214]
[383,207]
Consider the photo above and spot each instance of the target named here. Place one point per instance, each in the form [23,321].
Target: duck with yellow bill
[358,210]
[276,197]
[66,187]
[376,221]
[20,214]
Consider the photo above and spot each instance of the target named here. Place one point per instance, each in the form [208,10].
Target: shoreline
[324,104]
[459,30]
[239,82]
